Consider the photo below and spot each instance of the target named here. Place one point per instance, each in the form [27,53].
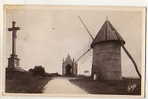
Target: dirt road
[62,85]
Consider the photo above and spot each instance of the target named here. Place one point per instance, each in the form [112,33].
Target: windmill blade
[89,35]
[83,54]
[132,59]
[85,27]
[130,56]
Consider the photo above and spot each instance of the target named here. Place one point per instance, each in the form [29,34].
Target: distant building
[69,67]
[107,53]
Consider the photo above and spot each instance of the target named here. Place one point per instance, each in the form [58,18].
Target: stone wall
[107,60]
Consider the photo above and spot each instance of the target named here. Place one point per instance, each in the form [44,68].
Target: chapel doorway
[68,70]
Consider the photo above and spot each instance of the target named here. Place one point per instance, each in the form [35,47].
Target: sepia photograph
[74,50]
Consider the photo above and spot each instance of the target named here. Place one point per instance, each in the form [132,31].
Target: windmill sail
[133,61]
[89,35]
[126,51]
[83,54]
[85,27]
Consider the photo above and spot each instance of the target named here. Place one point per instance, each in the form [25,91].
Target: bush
[38,71]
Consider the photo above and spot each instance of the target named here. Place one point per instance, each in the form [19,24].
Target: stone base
[13,61]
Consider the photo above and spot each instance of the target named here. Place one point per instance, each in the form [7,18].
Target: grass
[107,87]
[25,82]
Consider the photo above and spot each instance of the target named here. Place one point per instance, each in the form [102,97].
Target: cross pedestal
[13,61]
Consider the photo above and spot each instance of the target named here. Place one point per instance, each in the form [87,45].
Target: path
[62,85]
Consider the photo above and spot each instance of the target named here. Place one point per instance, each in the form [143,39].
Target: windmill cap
[107,33]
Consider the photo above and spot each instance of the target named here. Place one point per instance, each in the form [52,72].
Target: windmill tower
[107,53]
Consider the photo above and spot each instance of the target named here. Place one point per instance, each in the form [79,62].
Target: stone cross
[14,30]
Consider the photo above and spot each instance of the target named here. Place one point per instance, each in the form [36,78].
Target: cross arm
[14,29]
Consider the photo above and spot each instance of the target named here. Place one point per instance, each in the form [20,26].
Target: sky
[49,33]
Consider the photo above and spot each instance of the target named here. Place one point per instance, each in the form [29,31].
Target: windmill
[106,48]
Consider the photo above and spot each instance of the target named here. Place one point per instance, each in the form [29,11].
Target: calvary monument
[13,60]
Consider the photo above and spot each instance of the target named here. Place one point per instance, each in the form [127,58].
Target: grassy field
[107,87]
[25,82]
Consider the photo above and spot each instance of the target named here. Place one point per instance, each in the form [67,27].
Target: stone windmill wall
[107,53]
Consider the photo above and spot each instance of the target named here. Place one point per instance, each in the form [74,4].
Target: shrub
[38,70]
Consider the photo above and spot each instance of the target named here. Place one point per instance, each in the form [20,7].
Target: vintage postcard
[74,50]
